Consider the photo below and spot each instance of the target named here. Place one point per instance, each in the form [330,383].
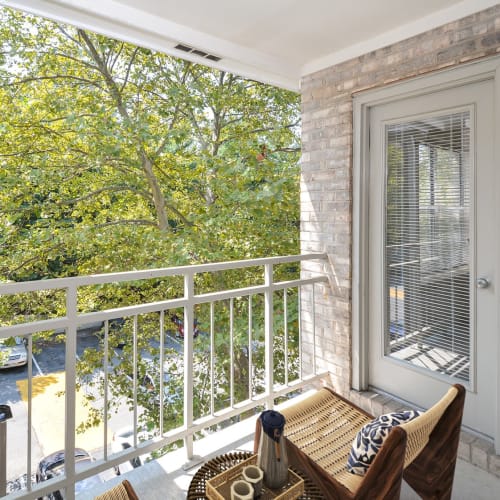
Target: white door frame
[425,84]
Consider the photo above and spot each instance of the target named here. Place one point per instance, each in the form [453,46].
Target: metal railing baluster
[134,375]
[105,370]
[212,358]
[250,350]
[299,305]
[231,352]
[285,331]
[313,308]
[30,412]
[162,368]
[188,361]
[70,389]
[268,333]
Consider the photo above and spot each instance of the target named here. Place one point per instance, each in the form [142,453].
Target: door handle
[482,283]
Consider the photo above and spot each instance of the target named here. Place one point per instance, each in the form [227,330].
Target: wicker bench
[122,491]
[321,428]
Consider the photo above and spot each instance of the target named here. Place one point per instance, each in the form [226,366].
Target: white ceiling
[276,41]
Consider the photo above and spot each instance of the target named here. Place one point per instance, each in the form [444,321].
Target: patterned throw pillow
[370,439]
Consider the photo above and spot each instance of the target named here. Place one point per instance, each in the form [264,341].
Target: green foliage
[113,158]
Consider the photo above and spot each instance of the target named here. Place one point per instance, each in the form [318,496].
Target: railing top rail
[101,279]
[32,327]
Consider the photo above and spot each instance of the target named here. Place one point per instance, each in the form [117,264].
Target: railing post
[70,386]
[135,376]
[301,338]
[285,332]
[105,373]
[268,334]
[231,352]
[30,413]
[313,313]
[5,414]
[188,360]
[250,348]
[162,368]
[212,358]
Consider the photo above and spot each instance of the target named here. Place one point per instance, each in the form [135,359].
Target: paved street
[47,432]
[17,428]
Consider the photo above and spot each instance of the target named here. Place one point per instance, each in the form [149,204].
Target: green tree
[115,157]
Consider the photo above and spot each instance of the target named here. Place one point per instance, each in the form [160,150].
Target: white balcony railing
[270,373]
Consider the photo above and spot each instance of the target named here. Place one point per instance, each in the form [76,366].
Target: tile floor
[168,478]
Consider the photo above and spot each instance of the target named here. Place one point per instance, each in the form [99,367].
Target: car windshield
[10,342]
[56,469]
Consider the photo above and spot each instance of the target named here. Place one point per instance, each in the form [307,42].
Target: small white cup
[241,490]
[255,476]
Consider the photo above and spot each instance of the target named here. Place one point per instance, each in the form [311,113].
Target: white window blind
[427,243]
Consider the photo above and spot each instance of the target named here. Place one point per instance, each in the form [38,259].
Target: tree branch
[111,84]
[286,150]
[179,214]
[61,118]
[66,34]
[55,77]
[129,67]
[139,222]
[75,59]
[9,273]
[111,189]
[146,162]
[115,59]
[259,130]
[27,153]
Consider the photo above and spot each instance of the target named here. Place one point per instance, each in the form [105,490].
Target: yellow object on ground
[49,414]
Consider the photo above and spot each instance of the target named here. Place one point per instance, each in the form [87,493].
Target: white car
[53,466]
[13,352]
[124,438]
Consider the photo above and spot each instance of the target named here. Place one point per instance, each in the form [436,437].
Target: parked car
[122,439]
[13,352]
[179,326]
[53,465]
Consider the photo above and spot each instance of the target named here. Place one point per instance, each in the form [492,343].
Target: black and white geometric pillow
[370,439]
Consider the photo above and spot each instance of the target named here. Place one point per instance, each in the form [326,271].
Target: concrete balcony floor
[168,478]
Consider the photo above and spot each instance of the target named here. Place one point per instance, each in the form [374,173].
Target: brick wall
[326,179]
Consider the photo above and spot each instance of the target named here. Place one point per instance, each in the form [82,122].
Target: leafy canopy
[115,157]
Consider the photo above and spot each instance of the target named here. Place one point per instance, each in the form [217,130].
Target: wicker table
[224,462]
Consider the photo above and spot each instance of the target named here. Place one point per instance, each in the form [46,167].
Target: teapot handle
[258,432]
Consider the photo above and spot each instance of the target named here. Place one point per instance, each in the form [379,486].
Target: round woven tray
[224,462]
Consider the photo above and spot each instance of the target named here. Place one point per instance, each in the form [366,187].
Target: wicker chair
[122,491]
[320,431]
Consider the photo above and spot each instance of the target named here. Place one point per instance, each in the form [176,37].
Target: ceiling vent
[198,52]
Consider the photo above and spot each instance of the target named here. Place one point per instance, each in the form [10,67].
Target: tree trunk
[158,197]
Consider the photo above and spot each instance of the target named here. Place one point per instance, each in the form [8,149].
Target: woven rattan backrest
[118,492]
[419,429]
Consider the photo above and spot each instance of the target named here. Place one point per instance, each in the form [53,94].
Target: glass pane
[427,243]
